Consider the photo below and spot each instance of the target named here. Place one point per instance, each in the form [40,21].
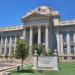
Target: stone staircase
[29,60]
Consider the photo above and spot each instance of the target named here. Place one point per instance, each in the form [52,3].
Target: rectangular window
[65,49]
[3,38]
[71,35]
[8,40]
[72,49]
[4,41]
[7,50]
[64,36]
[2,50]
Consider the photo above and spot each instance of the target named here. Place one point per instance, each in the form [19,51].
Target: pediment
[40,12]
[34,16]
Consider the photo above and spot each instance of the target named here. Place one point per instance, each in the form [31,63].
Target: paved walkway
[7,65]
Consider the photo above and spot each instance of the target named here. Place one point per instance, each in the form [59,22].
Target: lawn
[66,69]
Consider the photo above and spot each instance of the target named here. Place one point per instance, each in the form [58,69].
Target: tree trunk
[22,65]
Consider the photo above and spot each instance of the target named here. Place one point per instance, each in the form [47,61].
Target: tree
[39,48]
[21,50]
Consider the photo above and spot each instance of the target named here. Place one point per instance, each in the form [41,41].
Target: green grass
[66,69]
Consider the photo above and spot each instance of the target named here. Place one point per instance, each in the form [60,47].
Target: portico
[37,35]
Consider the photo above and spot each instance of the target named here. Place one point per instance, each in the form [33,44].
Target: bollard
[18,68]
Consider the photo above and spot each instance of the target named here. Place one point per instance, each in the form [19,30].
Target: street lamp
[56,53]
[43,44]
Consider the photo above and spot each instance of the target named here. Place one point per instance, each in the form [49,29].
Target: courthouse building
[41,26]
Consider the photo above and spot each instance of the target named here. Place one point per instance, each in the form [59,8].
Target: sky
[11,11]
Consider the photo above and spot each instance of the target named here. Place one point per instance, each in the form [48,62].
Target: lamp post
[43,44]
[56,54]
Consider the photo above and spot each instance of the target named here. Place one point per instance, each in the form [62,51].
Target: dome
[44,7]
[43,10]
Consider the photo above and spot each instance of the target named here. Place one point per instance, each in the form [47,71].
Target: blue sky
[11,11]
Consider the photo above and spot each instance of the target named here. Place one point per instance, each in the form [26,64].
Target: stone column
[30,40]
[58,42]
[61,43]
[5,48]
[39,35]
[68,43]
[24,34]
[74,41]
[15,42]
[46,39]
[10,44]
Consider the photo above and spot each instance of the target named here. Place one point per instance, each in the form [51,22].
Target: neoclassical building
[41,26]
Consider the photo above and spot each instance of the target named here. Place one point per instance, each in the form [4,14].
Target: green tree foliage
[39,48]
[21,51]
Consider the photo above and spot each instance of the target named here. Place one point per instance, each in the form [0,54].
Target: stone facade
[41,26]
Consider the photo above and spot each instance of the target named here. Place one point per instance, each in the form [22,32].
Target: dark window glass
[7,50]
[65,49]
[71,35]
[64,36]
[2,50]
[72,49]
[3,38]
